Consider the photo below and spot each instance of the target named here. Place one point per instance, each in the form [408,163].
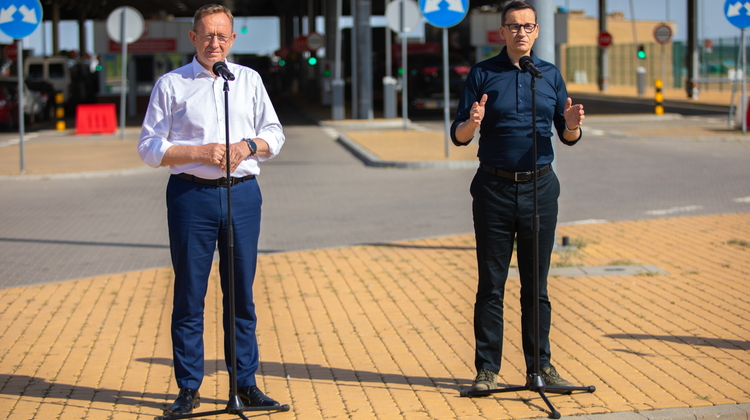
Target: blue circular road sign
[20,18]
[737,13]
[444,13]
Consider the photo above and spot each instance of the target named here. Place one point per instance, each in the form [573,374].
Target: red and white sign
[663,34]
[146,45]
[315,41]
[11,51]
[605,39]
[300,44]
[282,52]
[493,37]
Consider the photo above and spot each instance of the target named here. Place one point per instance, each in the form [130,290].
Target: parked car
[34,102]
[8,106]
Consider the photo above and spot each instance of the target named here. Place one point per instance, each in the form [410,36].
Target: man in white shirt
[185,129]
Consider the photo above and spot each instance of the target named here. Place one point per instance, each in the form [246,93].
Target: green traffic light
[400,71]
[312,61]
[282,63]
[326,73]
[641,52]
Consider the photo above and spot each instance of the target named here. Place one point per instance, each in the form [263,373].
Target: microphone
[526,63]
[220,69]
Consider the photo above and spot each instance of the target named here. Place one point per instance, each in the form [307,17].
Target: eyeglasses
[209,38]
[515,27]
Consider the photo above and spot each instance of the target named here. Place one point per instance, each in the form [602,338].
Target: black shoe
[186,401]
[252,396]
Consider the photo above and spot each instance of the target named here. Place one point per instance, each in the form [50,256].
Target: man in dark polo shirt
[497,99]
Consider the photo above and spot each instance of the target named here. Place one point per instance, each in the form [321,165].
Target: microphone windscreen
[218,66]
[524,61]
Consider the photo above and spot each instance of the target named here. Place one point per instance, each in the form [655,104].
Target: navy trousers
[197,220]
[503,211]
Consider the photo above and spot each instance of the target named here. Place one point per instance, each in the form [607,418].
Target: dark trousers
[503,210]
[197,219]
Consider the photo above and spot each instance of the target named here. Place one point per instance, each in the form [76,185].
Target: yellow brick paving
[384,331]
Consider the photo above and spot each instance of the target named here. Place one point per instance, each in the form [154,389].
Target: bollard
[60,111]
[658,98]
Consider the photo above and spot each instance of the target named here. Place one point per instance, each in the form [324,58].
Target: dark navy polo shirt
[505,139]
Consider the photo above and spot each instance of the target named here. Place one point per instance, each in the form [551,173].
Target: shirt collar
[503,57]
[198,68]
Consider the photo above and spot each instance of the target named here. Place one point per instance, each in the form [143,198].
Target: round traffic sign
[20,18]
[133,21]
[11,51]
[412,15]
[604,39]
[662,34]
[444,13]
[315,41]
[737,13]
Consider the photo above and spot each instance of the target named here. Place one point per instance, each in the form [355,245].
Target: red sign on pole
[11,52]
[605,39]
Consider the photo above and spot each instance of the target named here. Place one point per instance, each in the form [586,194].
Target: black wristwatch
[251,144]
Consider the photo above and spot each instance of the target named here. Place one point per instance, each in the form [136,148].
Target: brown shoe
[485,381]
[553,379]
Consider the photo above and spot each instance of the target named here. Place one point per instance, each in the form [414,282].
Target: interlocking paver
[384,331]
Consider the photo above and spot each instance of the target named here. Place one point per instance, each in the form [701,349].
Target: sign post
[403,16]
[662,35]
[124,26]
[445,14]
[738,14]
[19,19]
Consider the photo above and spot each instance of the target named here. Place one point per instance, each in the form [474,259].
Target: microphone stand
[234,406]
[534,381]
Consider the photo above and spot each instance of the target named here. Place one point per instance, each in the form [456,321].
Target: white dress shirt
[187,108]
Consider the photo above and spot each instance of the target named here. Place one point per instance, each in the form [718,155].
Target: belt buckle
[515,176]
[222,182]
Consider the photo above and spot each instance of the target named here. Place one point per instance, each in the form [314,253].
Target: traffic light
[641,51]
[312,61]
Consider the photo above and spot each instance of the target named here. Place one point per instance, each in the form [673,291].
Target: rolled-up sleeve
[268,126]
[154,141]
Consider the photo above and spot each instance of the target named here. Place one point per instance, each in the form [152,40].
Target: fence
[666,62]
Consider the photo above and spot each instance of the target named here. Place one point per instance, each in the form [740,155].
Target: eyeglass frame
[524,26]
[209,38]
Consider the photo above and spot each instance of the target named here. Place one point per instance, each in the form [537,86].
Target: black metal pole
[235,404]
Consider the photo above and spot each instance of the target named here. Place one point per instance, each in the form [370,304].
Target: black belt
[220,182]
[516,176]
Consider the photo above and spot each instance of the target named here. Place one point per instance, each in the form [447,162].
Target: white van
[54,70]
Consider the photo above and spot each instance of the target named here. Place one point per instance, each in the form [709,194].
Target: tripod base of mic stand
[234,407]
[535,383]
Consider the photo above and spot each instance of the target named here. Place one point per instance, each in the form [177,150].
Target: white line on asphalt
[741,200]
[673,210]
[18,140]
[332,133]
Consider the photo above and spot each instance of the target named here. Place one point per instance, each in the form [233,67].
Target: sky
[712,24]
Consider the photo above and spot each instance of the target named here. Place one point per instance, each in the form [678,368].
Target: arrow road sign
[444,13]
[737,13]
[20,18]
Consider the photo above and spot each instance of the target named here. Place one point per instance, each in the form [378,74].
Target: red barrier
[96,119]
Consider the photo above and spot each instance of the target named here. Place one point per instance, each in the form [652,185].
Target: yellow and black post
[60,111]
[658,98]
